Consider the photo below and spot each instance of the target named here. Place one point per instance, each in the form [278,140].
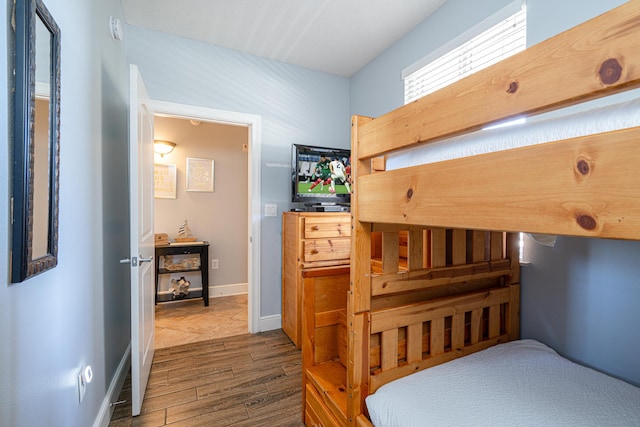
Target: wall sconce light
[163,147]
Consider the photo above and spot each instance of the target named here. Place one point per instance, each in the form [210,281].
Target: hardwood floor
[207,371]
[244,380]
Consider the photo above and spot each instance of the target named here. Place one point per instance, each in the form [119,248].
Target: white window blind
[469,55]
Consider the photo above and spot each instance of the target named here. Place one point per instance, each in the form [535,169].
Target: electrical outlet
[84,378]
[82,386]
[214,264]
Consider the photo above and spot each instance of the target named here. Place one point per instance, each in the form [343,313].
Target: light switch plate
[270,210]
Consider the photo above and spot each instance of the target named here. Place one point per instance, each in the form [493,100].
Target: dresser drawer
[326,249]
[327,227]
[316,413]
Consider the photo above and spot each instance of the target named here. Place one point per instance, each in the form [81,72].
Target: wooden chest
[309,240]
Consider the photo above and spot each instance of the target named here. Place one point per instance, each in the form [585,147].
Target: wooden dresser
[310,241]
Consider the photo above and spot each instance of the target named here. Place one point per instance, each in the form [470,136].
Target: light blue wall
[77,313]
[296,105]
[580,297]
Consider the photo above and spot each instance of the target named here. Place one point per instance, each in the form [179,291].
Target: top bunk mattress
[519,383]
[618,116]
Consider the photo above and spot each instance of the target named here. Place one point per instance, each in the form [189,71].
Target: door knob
[141,259]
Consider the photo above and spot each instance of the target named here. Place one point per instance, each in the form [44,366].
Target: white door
[142,237]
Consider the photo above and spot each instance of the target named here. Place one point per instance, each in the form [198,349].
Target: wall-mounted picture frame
[164,179]
[200,175]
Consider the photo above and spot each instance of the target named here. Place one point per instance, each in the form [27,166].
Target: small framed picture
[200,175]
[164,179]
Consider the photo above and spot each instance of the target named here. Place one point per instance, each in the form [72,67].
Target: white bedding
[612,117]
[520,383]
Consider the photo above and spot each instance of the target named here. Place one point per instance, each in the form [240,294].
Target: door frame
[253,123]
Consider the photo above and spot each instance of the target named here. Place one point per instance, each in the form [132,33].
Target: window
[484,45]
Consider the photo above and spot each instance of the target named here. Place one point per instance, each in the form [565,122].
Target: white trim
[106,409]
[253,122]
[269,323]
[228,290]
[43,90]
[487,23]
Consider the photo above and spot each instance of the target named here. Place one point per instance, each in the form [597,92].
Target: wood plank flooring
[245,380]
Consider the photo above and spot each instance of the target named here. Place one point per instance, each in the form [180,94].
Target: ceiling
[333,36]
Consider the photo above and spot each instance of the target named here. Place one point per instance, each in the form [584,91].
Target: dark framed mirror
[36,145]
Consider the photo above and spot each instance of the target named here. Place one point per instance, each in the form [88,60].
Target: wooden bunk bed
[434,259]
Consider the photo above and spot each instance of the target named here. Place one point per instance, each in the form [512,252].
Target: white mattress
[520,383]
[612,117]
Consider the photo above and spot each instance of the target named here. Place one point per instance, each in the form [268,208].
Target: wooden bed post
[358,305]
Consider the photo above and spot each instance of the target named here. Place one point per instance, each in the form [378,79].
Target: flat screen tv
[320,176]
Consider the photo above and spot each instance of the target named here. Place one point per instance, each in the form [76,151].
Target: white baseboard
[106,410]
[228,290]
[221,290]
[269,323]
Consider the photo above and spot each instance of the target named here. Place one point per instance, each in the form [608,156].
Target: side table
[199,248]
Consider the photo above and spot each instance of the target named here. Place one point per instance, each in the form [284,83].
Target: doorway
[252,235]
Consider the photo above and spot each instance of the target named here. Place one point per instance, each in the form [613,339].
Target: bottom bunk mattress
[519,383]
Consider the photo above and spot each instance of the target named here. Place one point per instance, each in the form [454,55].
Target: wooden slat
[497,245]
[415,242]
[413,280]
[603,56]
[414,342]
[585,186]
[513,319]
[457,331]
[438,247]
[494,321]
[390,257]
[476,325]
[389,344]
[399,317]
[478,246]
[459,247]
[437,336]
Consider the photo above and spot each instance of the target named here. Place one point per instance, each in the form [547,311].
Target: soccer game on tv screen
[324,173]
